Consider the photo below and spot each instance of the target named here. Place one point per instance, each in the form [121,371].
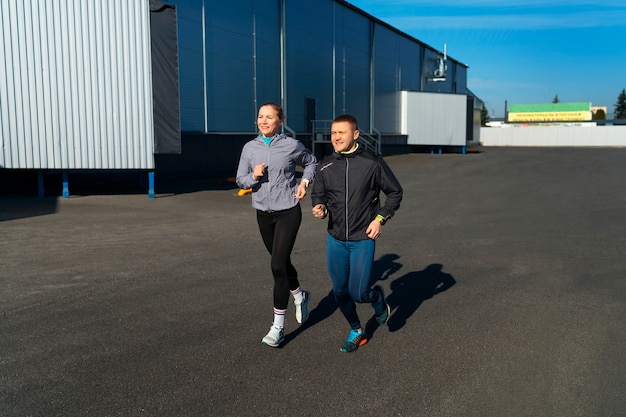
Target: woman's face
[268,121]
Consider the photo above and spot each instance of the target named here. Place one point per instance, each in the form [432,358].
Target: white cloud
[496,14]
[511,22]
[501,4]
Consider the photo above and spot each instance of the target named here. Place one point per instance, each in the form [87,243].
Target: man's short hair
[347,118]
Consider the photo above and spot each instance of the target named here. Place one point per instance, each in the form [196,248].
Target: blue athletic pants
[350,267]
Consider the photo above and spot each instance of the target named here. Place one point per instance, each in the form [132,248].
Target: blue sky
[522,51]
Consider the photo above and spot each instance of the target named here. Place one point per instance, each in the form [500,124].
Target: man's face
[343,136]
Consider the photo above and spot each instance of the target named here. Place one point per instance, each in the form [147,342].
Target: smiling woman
[267,166]
[270,119]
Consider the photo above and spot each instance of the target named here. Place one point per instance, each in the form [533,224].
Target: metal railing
[290,131]
[321,135]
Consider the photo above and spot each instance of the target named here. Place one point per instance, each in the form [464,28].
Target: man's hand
[374,229]
[319,211]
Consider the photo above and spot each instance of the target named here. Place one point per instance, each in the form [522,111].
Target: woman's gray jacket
[276,190]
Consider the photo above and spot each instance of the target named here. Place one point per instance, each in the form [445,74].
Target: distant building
[549,112]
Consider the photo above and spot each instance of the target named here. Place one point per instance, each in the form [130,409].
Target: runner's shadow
[382,269]
[324,309]
[385,266]
[409,291]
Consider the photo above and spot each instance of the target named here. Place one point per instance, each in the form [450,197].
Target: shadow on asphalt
[26,184]
[409,291]
[13,208]
[321,312]
[324,310]
[385,267]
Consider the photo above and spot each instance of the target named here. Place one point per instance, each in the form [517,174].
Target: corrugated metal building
[319,59]
[77,88]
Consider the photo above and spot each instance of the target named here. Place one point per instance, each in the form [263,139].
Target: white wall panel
[75,85]
[434,118]
[552,136]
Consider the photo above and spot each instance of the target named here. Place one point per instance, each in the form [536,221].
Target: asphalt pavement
[504,267]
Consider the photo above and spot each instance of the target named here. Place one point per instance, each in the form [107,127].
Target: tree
[556,99]
[620,106]
[484,115]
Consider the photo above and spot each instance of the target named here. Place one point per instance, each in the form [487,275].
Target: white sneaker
[302,309]
[274,337]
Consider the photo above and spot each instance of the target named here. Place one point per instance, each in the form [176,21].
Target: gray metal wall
[352,51]
[229,61]
[75,87]
[334,55]
[190,62]
[309,60]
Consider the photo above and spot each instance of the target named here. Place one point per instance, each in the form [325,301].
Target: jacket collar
[276,137]
[340,155]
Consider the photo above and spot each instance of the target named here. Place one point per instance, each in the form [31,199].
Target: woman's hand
[259,171]
[301,191]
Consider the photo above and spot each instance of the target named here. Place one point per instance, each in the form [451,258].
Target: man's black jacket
[349,185]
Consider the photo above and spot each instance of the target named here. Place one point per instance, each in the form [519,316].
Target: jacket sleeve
[392,189]
[318,195]
[245,173]
[308,161]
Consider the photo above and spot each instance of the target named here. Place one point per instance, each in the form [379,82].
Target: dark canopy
[166,103]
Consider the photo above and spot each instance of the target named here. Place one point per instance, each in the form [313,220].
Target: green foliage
[620,106]
[484,115]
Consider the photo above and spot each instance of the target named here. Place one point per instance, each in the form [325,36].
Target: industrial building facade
[82,85]
[318,59]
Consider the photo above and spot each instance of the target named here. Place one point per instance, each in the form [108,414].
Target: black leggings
[279,230]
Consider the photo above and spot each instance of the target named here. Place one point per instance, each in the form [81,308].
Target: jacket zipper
[346,203]
[269,183]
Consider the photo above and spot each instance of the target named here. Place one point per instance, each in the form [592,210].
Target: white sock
[298,295]
[279,317]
